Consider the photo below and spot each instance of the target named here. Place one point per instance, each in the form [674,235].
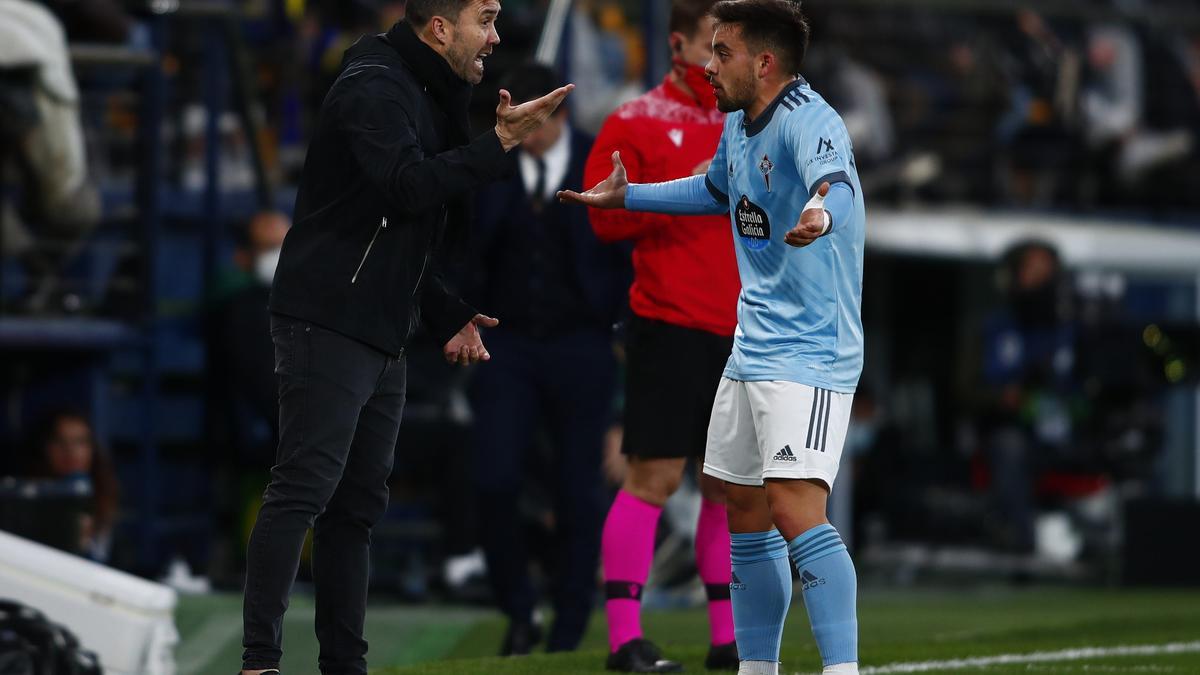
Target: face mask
[265,264]
[693,76]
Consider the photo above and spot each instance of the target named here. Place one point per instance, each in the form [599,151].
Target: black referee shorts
[671,379]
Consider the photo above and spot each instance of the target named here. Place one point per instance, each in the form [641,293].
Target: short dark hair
[686,15]
[419,12]
[530,80]
[777,26]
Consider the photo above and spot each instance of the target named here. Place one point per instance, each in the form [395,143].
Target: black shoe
[520,639]
[723,657]
[640,656]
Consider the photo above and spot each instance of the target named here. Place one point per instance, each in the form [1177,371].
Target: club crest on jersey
[754,227]
[764,167]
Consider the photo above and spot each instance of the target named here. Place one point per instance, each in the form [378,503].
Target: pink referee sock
[712,561]
[627,549]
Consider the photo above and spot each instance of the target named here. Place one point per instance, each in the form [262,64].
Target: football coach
[389,168]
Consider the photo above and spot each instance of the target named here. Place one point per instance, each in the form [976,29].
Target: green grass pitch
[913,627]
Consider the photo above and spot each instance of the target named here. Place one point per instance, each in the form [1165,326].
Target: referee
[388,169]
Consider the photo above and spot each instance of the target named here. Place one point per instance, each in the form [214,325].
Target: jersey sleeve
[717,178]
[821,146]
[680,197]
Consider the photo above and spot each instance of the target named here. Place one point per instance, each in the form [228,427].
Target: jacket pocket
[367,253]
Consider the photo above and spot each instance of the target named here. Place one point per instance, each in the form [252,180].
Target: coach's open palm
[608,194]
[515,122]
[466,347]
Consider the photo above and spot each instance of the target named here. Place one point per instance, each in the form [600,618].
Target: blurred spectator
[969,117]
[558,291]
[1043,74]
[65,449]
[1152,164]
[242,352]
[40,134]
[1031,385]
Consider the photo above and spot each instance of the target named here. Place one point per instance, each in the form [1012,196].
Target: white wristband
[818,202]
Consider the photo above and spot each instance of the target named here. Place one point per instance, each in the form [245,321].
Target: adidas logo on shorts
[785,455]
[736,584]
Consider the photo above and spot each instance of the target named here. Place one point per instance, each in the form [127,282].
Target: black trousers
[564,384]
[340,403]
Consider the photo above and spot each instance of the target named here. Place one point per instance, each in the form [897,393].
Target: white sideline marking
[1079,654]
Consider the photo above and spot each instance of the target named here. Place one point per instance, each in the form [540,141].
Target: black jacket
[388,172]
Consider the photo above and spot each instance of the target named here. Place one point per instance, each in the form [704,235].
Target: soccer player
[785,171]
[683,300]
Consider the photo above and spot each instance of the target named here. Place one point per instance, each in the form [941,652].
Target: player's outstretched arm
[682,197]
[607,194]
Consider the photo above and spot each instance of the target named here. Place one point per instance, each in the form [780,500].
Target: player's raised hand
[466,347]
[814,220]
[608,194]
[515,123]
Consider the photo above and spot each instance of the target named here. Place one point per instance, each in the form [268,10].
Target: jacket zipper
[420,275]
[382,226]
[425,263]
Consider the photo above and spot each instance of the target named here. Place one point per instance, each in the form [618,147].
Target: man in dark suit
[560,291]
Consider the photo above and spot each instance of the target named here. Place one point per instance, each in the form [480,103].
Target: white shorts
[777,429]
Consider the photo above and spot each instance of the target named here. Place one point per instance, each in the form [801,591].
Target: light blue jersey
[799,309]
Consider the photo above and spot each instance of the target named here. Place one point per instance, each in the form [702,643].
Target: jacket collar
[450,92]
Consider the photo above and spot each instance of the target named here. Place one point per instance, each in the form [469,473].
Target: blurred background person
[537,263]
[64,451]
[240,340]
[683,300]
[42,139]
[1029,369]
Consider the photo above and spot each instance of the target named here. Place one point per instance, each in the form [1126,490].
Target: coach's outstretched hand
[515,123]
[814,220]
[608,194]
[466,347]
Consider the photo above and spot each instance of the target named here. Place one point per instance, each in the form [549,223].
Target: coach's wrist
[507,141]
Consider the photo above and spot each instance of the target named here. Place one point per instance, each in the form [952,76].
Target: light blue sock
[830,592]
[761,592]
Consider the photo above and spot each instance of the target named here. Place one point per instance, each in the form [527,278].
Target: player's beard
[734,96]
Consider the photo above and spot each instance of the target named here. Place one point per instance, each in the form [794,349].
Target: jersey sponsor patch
[826,154]
[753,225]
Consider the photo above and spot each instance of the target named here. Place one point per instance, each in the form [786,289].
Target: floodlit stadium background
[1027,429]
